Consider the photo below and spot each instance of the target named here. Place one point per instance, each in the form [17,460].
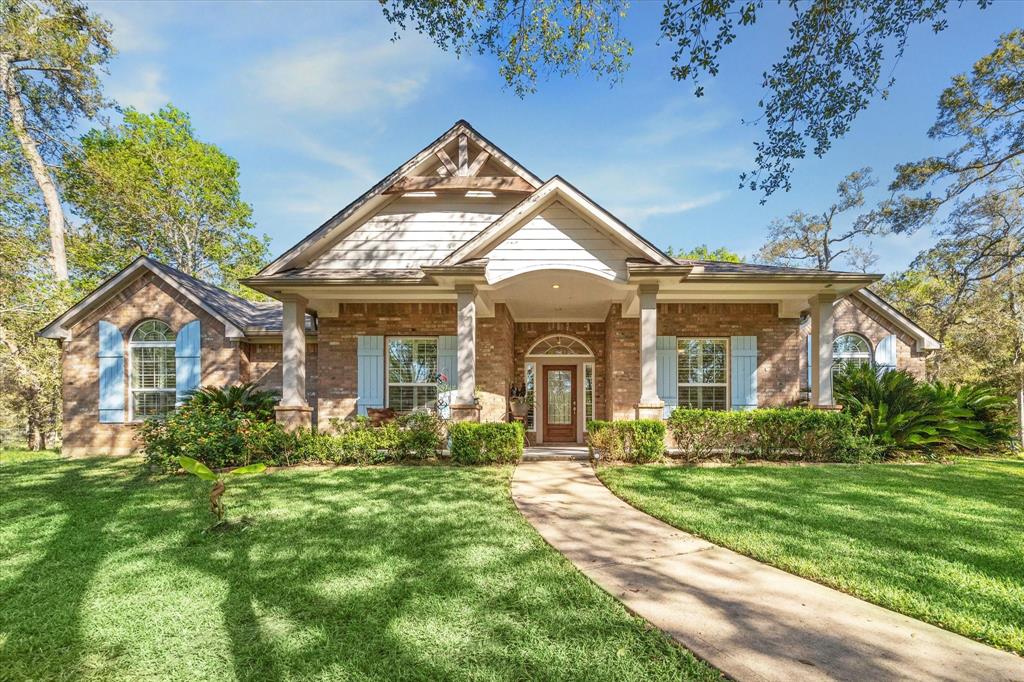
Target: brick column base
[650,411]
[294,417]
[465,413]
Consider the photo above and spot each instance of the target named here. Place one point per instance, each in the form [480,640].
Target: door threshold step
[556,456]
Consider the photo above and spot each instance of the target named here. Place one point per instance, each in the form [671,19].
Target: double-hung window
[703,375]
[151,361]
[412,374]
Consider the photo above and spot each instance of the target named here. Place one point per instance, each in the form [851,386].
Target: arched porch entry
[560,369]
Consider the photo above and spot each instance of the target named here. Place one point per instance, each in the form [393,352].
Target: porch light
[554,286]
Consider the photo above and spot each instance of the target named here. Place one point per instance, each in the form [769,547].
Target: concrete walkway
[751,621]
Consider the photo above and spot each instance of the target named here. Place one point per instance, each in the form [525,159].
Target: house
[464,264]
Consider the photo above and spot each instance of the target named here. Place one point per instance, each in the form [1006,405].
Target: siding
[558,236]
[414,231]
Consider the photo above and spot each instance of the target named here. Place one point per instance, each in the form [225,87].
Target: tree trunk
[54,210]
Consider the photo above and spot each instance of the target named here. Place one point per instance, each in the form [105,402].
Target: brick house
[462,263]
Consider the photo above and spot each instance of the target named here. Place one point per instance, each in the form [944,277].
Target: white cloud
[135,25]
[641,213]
[144,91]
[359,74]
[355,165]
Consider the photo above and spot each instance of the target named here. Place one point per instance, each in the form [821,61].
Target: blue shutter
[744,372]
[448,365]
[111,358]
[668,373]
[370,372]
[885,354]
[810,367]
[187,360]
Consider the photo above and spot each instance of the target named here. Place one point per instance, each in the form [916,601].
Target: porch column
[293,412]
[464,407]
[650,405]
[821,349]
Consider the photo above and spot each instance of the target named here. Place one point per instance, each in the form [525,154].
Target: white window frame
[728,369]
[840,359]
[530,381]
[387,367]
[589,411]
[132,346]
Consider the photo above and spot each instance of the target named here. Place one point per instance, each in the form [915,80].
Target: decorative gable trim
[376,197]
[556,189]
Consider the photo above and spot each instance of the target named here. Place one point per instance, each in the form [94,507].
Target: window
[588,390]
[412,374]
[703,377]
[559,345]
[850,349]
[531,380]
[151,359]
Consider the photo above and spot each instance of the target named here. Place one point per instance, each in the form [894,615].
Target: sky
[317,103]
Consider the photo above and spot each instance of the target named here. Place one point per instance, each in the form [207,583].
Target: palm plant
[200,470]
[239,400]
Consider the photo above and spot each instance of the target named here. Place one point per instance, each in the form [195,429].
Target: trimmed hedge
[411,437]
[778,434]
[637,441]
[486,443]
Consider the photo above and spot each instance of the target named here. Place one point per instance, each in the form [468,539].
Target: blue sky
[317,103]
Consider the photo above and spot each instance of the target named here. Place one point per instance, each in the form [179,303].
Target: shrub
[636,441]
[770,434]
[487,443]
[216,436]
[900,414]
[240,400]
[358,441]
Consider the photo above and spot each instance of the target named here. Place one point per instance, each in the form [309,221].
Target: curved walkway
[751,621]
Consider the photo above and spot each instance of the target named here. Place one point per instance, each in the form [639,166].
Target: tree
[51,52]
[721,254]
[832,68]
[150,187]
[816,240]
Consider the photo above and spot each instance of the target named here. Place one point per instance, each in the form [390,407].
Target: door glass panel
[559,396]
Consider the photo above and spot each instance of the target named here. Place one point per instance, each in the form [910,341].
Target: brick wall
[778,340]
[495,363]
[147,297]
[622,347]
[261,364]
[337,352]
[853,315]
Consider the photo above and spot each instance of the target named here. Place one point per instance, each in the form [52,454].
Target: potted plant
[519,401]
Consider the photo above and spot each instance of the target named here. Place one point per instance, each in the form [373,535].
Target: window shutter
[810,367]
[187,361]
[885,354]
[370,372]
[668,373]
[744,372]
[448,365]
[111,359]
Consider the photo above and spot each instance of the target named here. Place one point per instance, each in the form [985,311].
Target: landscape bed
[389,572]
[941,543]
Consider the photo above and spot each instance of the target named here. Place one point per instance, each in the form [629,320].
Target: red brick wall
[261,364]
[778,340]
[337,351]
[147,297]
[495,359]
[853,315]
[622,348]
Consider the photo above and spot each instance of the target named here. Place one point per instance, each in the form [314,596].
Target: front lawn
[374,573]
[942,543]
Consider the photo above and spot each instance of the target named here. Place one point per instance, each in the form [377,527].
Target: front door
[559,404]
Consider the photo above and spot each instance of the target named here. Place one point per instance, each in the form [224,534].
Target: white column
[293,352]
[648,294]
[467,344]
[821,349]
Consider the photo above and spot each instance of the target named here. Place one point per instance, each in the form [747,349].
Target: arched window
[560,345]
[850,349]
[151,362]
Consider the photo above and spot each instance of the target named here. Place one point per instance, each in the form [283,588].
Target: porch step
[542,453]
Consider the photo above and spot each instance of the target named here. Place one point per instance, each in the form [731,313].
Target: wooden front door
[559,404]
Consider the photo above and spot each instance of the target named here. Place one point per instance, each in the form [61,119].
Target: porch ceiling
[560,295]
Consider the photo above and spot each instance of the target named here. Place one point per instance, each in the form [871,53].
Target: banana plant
[197,468]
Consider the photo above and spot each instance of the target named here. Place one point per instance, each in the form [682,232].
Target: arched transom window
[151,358]
[560,345]
[850,349]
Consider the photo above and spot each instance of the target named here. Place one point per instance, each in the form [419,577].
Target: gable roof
[376,195]
[555,189]
[238,315]
[923,339]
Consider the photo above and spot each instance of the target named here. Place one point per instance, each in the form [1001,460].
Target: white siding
[558,236]
[414,231]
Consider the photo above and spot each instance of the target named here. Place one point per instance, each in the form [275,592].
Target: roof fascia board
[60,327]
[346,218]
[924,340]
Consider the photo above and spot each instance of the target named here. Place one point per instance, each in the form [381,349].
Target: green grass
[375,573]
[14,455]
[942,543]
